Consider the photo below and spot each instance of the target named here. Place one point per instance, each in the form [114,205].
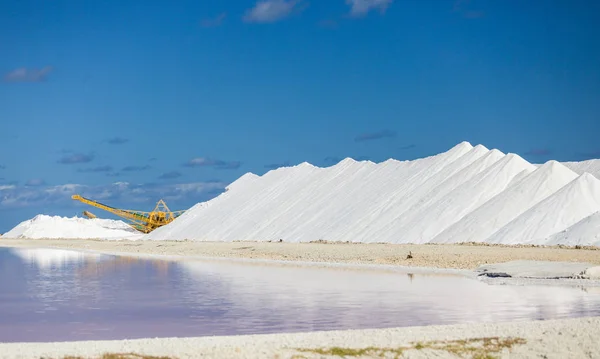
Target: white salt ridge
[301,202]
[379,211]
[583,233]
[572,203]
[396,216]
[328,213]
[478,225]
[243,182]
[589,166]
[462,200]
[465,194]
[235,210]
[43,226]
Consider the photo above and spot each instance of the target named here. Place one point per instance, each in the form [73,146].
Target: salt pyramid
[463,199]
[570,204]
[478,225]
[584,233]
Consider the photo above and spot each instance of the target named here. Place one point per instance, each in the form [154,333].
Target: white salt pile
[589,166]
[508,205]
[43,226]
[462,195]
[583,233]
[573,202]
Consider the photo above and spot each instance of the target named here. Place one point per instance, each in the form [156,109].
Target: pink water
[48,295]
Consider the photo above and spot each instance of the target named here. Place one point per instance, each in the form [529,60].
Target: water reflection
[49,295]
[54,258]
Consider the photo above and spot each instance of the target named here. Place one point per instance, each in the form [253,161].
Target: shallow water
[57,295]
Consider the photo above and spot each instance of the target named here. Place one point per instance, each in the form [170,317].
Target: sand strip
[439,256]
[565,338]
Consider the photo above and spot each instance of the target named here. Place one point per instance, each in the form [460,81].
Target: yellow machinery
[144,222]
[89,215]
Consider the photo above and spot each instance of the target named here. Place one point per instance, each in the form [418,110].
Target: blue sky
[131,101]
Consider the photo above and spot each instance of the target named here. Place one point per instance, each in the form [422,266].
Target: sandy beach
[431,256]
[565,338]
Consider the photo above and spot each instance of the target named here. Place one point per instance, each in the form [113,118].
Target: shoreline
[458,258]
[556,338]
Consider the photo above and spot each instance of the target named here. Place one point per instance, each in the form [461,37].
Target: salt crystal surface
[395,216]
[462,200]
[509,204]
[43,226]
[464,194]
[590,166]
[572,203]
[584,233]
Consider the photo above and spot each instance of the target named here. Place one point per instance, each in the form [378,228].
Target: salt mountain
[466,194]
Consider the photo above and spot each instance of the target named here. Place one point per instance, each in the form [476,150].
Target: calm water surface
[56,295]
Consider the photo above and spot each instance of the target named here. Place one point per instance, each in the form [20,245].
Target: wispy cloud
[277,165]
[539,152]
[589,155]
[268,11]
[135,168]
[76,158]
[23,74]
[460,6]
[362,7]
[95,169]
[213,22]
[170,175]
[35,182]
[13,196]
[375,135]
[214,163]
[117,140]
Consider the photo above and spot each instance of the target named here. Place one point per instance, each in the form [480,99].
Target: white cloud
[123,192]
[270,10]
[35,182]
[213,22]
[362,7]
[28,75]
[210,162]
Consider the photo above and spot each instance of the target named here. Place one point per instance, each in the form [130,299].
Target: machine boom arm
[142,221]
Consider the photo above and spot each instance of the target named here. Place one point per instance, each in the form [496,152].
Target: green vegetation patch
[475,348]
